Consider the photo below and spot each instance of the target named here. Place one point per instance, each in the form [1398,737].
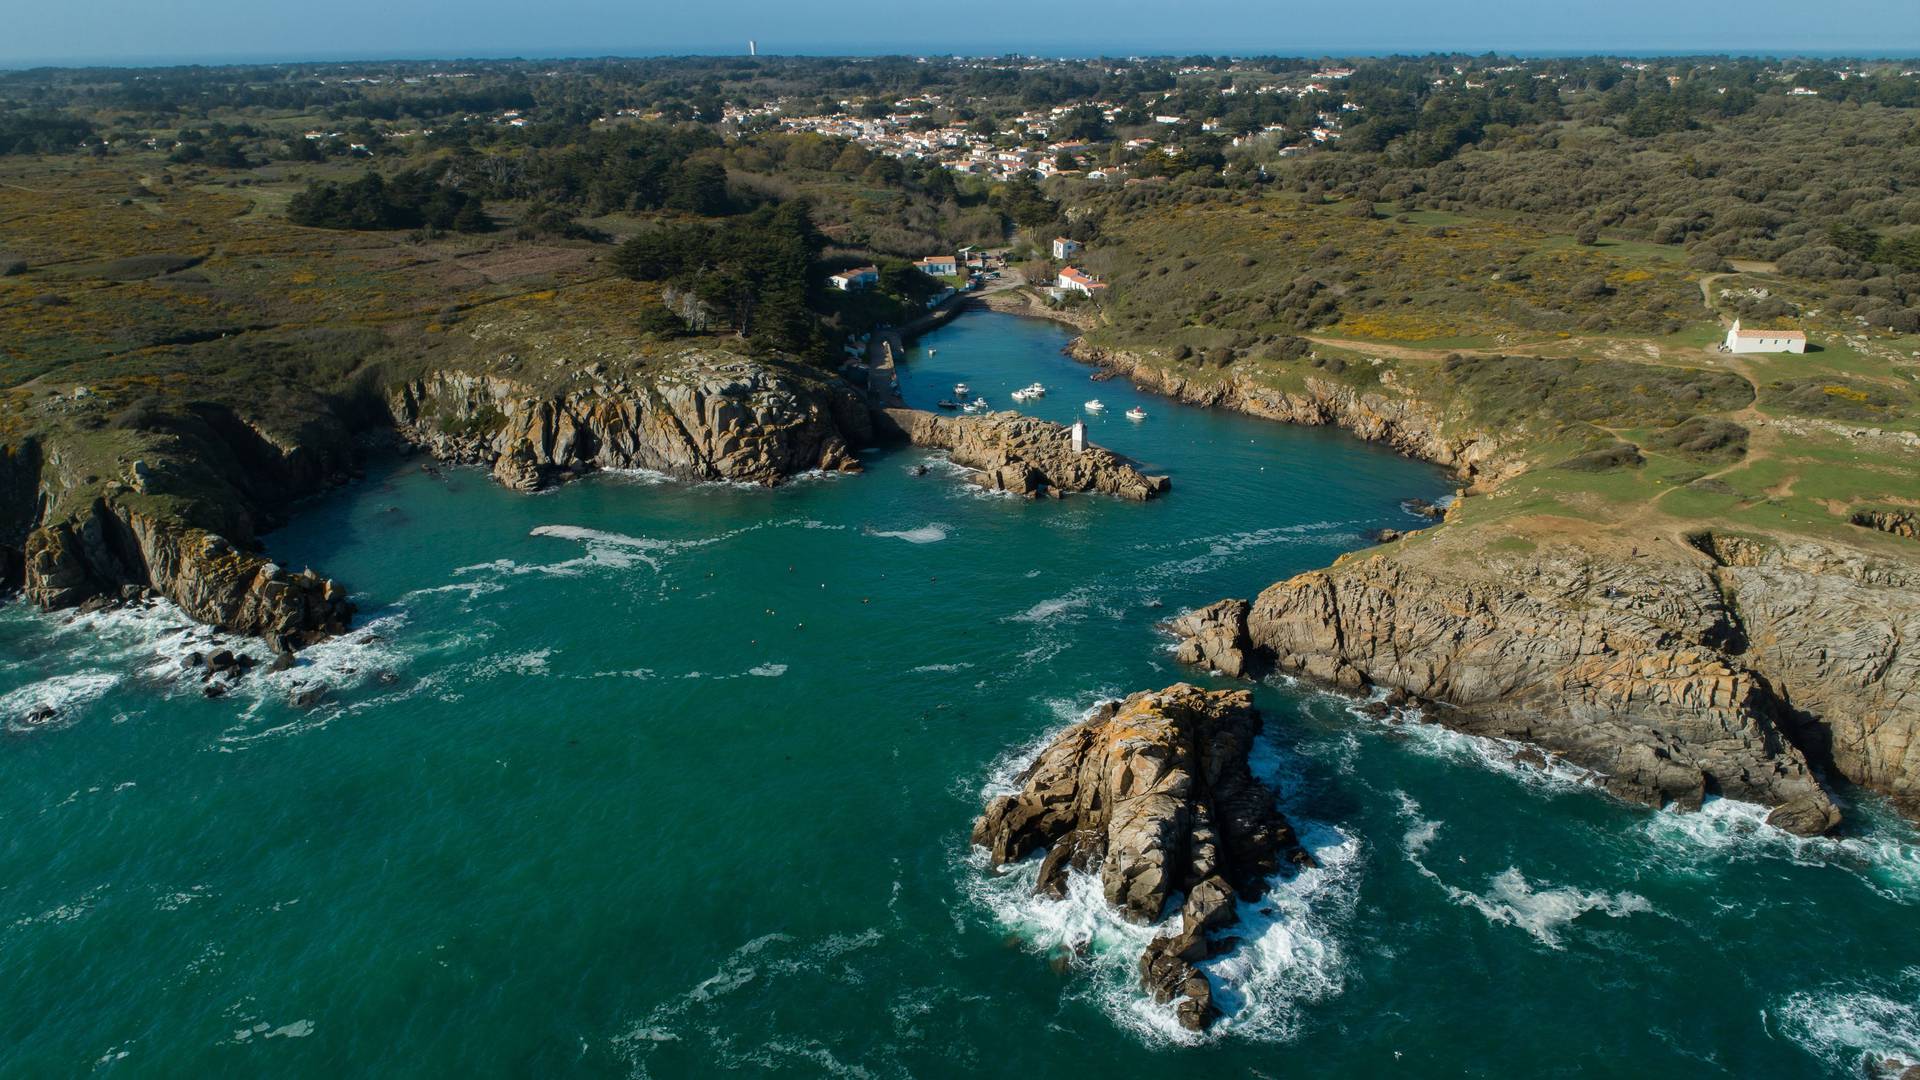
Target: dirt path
[1706,294]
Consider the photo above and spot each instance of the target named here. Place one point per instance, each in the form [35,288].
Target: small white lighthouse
[753,47]
[1079,436]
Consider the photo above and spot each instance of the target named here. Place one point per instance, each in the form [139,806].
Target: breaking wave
[1507,757]
[1884,855]
[1510,899]
[1849,1028]
[925,534]
[1290,954]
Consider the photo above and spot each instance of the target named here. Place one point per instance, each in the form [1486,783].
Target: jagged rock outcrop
[1406,423]
[701,418]
[1624,661]
[1215,636]
[1154,793]
[109,549]
[1901,523]
[1021,454]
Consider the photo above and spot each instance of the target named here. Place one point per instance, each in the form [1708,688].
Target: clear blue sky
[157,31]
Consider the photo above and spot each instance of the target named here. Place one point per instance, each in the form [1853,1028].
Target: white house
[1064,248]
[856,279]
[938,265]
[1073,279]
[1758,341]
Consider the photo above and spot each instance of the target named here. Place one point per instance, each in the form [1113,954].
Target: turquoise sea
[641,778]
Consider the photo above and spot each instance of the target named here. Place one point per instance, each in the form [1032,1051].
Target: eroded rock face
[708,418]
[1215,636]
[1830,630]
[1022,454]
[1414,427]
[1154,793]
[1627,663]
[107,549]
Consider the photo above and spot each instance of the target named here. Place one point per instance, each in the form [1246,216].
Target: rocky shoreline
[712,418]
[1726,666]
[1154,795]
[1676,667]
[182,522]
[1402,422]
[1021,454]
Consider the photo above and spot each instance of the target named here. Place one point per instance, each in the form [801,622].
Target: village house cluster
[1035,142]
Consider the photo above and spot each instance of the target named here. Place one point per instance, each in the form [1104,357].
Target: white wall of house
[1758,341]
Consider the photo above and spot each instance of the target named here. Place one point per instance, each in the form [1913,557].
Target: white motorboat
[961,389]
[1136,413]
[1022,395]
[1096,406]
[1036,390]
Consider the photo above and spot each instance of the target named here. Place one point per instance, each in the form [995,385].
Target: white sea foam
[770,957]
[299,1029]
[610,549]
[1221,549]
[1052,609]
[55,700]
[1544,912]
[925,669]
[645,477]
[925,534]
[1505,756]
[768,671]
[1885,856]
[525,662]
[1847,1027]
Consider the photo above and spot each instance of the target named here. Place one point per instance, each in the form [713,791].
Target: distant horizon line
[162,61]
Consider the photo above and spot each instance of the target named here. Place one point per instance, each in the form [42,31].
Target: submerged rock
[1154,793]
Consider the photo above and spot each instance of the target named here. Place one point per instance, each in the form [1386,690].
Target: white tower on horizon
[753,47]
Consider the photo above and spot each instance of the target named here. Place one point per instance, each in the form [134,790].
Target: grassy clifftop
[1595,365]
[180,325]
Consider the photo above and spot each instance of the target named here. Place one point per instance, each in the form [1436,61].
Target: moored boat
[1096,406]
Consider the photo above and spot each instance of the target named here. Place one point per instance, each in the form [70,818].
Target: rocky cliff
[702,417]
[1675,669]
[110,552]
[1404,422]
[169,501]
[1828,629]
[1155,794]
[1021,454]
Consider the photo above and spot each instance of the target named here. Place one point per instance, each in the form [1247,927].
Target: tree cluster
[413,199]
